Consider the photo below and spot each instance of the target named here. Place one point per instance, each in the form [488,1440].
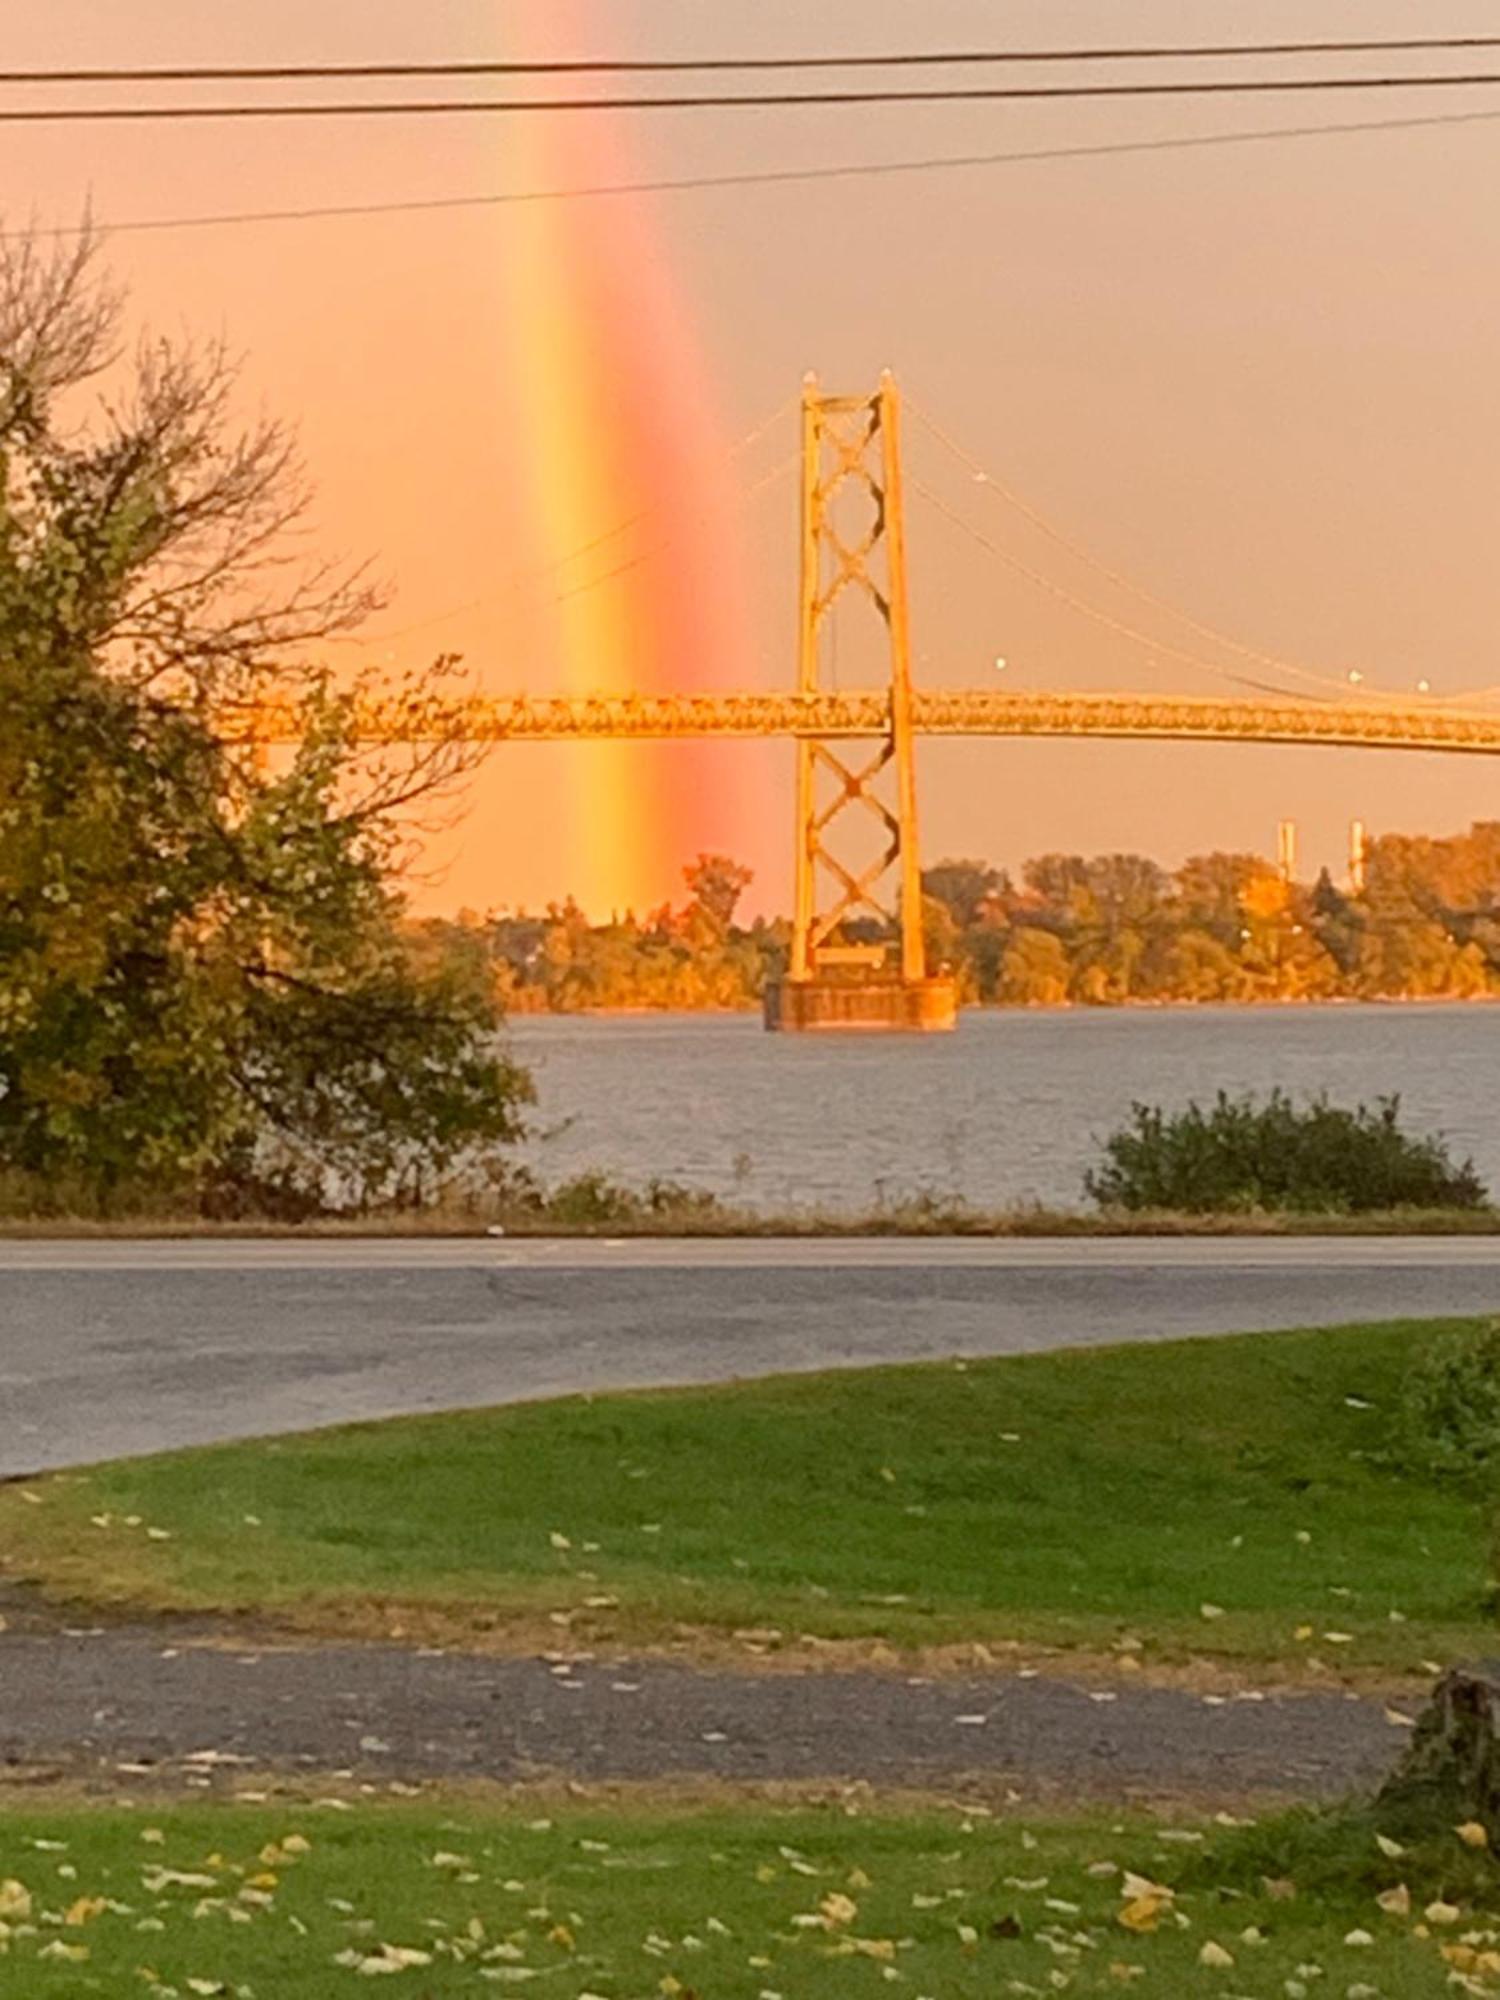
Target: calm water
[1007,1109]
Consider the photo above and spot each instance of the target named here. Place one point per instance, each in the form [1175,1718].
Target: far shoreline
[1279,1004]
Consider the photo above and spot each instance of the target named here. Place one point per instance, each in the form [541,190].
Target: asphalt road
[110,1348]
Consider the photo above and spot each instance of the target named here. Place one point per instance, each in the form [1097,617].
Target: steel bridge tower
[858,861]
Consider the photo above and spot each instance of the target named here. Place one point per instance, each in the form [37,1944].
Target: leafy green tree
[206,989]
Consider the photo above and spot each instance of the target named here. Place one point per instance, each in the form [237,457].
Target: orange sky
[1261,380]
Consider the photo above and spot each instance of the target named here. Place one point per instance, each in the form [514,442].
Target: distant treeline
[1100,931]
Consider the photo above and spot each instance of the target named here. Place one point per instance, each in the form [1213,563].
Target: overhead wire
[1201,87]
[689,65]
[762,177]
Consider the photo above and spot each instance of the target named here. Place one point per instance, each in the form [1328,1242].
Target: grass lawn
[1222,1497]
[810,1905]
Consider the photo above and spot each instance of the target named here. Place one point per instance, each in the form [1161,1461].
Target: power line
[765,177]
[78,114]
[689,65]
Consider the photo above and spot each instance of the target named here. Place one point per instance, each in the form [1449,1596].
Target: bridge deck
[937,712]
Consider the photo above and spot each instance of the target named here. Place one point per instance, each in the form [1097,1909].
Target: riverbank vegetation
[1273,1155]
[731,1900]
[1108,930]
[1245,1166]
[1255,1499]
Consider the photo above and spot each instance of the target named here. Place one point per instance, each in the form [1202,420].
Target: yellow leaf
[1442,1913]
[1472,1834]
[85,1910]
[1395,1902]
[1215,1956]
[1143,1914]
[15,1901]
[837,1908]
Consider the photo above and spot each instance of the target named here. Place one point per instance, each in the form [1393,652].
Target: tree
[964,887]
[205,983]
[716,884]
[1034,972]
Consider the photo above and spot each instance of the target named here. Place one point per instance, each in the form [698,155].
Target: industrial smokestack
[1286,849]
[1359,848]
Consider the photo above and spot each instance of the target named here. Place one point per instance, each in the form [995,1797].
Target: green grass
[1095,1498]
[302,1903]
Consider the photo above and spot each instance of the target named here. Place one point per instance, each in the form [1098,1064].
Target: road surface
[109,1348]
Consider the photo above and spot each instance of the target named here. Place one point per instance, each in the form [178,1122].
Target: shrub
[1273,1154]
[1449,1416]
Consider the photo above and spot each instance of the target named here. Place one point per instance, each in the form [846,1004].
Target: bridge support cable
[1119,580]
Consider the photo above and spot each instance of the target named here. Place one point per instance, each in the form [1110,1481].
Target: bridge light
[1001,663]
[1355,676]
[1424,686]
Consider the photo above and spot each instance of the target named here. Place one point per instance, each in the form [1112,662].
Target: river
[1008,1109]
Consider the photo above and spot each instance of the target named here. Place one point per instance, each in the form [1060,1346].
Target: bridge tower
[858,873]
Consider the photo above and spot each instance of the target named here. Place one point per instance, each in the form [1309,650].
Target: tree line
[1070,930]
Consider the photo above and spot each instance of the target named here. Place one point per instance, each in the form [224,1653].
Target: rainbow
[611,410]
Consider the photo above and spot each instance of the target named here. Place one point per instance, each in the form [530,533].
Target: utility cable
[705,65]
[80,114]
[768,177]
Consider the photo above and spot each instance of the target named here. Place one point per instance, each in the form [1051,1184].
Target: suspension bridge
[858,866]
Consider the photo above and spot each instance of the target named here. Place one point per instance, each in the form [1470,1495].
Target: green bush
[1449,1415]
[1272,1154]
[593,1200]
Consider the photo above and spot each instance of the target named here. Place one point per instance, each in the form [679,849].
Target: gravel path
[84,1703]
